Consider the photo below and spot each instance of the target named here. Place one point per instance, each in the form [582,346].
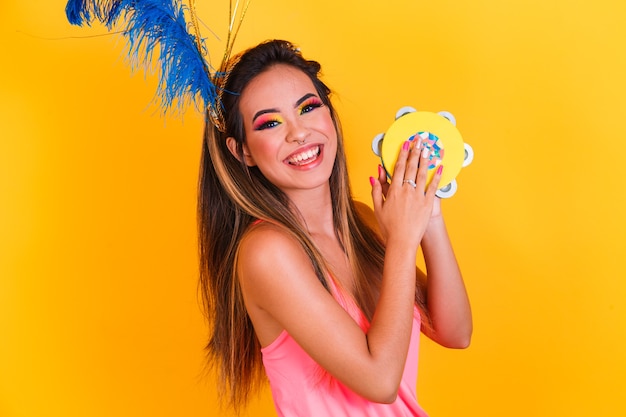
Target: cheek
[329,126]
[262,151]
[329,131]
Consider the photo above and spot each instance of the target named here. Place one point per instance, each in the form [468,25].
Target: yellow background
[98,308]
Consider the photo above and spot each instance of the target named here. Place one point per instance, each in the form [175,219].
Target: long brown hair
[232,195]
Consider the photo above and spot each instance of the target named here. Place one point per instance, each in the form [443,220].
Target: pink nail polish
[372,181]
[440,169]
[405,145]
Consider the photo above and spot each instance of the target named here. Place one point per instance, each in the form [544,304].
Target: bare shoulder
[266,243]
[269,258]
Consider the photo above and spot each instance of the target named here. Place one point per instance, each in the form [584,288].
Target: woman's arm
[446,298]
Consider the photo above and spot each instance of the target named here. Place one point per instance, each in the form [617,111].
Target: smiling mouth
[305,157]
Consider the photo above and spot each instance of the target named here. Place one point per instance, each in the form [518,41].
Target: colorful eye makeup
[310,105]
[269,118]
[267,121]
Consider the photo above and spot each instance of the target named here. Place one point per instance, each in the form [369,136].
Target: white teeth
[305,156]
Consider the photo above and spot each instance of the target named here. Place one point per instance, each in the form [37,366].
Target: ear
[232,147]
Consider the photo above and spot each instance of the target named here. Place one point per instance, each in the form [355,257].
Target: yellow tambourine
[438,133]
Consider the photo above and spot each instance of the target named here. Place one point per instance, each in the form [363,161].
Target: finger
[422,172]
[434,183]
[382,179]
[382,174]
[377,195]
[400,166]
[413,160]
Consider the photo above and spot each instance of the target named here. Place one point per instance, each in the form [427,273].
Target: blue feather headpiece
[159,26]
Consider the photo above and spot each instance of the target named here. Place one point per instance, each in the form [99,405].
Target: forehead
[278,86]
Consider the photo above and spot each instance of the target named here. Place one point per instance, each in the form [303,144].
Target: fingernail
[405,145]
[380,170]
[419,142]
[372,181]
[425,153]
[440,169]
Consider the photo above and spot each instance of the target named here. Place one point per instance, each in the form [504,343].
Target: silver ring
[410,182]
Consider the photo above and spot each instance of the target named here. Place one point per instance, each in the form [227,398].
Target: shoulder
[267,254]
[266,242]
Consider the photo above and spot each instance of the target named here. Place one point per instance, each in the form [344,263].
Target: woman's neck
[316,210]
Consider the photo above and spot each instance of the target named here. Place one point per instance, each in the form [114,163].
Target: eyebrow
[274,110]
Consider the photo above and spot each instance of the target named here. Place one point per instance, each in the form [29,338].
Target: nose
[298,132]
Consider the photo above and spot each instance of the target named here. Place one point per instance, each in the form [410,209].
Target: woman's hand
[402,209]
[382,179]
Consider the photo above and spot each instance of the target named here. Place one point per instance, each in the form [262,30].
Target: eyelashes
[273,120]
[267,122]
[310,105]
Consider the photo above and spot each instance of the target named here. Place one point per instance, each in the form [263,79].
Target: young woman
[301,283]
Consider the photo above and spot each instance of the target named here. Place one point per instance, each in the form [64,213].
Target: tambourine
[438,133]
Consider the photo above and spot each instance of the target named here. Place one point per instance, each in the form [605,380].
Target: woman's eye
[310,107]
[267,125]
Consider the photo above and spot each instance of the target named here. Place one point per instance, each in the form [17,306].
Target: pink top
[301,388]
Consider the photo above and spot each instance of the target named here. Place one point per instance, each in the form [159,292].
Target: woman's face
[290,134]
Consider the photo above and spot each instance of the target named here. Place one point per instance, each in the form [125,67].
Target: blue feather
[78,12]
[156,27]
[81,12]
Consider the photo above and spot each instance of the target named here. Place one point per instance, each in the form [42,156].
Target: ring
[410,182]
